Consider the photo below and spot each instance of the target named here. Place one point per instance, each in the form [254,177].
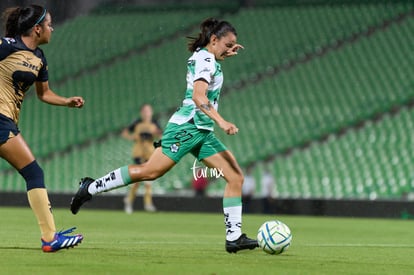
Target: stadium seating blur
[95,39]
[307,72]
[322,96]
[368,163]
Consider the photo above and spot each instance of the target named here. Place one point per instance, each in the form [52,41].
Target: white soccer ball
[274,237]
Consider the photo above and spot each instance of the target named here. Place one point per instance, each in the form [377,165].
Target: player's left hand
[75,102]
[233,50]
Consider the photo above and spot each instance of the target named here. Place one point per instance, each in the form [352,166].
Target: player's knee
[33,175]
[236,179]
[153,175]
[241,178]
[150,172]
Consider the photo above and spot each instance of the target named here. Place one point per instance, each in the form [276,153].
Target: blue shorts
[8,128]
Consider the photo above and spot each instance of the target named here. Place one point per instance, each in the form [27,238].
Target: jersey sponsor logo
[30,66]
[207,59]
[9,40]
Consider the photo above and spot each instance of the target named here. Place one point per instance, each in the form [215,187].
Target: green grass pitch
[184,243]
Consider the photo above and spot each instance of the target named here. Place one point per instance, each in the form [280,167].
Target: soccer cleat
[128,206]
[82,195]
[243,242]
[150,208]
[61,241]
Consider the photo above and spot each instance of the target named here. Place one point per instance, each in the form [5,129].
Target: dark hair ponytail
[209,27]
[11,18]
[20,21]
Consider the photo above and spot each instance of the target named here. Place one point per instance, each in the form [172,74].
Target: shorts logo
[174,148]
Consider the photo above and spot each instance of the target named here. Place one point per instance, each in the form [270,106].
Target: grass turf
[184,243]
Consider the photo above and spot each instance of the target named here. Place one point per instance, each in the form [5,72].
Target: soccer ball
[274,237]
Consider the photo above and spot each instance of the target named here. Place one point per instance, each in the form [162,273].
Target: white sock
[115,179]
[232,209]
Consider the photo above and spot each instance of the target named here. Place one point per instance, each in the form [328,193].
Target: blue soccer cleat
[62,241]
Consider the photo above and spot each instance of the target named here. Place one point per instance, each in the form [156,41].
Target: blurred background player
[248,189]
[268,186]
[142,132]
[199,182]
[23,64]
[191,130]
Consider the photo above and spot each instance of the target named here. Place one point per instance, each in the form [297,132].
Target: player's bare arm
[202,102]
[45,94]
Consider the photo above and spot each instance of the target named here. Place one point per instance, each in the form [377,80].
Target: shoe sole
[49,249]
[76,204]
[234,249]
[79,199]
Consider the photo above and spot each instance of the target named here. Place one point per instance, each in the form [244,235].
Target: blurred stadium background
[323,93]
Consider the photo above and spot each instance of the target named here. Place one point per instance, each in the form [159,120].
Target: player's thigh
[157,165]
[16,151]
[226,164]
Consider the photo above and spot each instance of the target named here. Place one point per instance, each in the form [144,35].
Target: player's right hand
[75,102]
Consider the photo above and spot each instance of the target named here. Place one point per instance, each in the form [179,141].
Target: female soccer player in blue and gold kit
[190,130]
[23,64]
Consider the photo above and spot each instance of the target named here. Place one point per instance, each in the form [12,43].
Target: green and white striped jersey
[201,65]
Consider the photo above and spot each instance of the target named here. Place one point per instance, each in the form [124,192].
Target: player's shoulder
[17,44]
[8,40]
[39,52]
[7,46]
[204,56]
[137,122]
[156,123]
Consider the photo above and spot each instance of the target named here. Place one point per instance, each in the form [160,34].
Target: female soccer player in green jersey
[190,130]
[23,64]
